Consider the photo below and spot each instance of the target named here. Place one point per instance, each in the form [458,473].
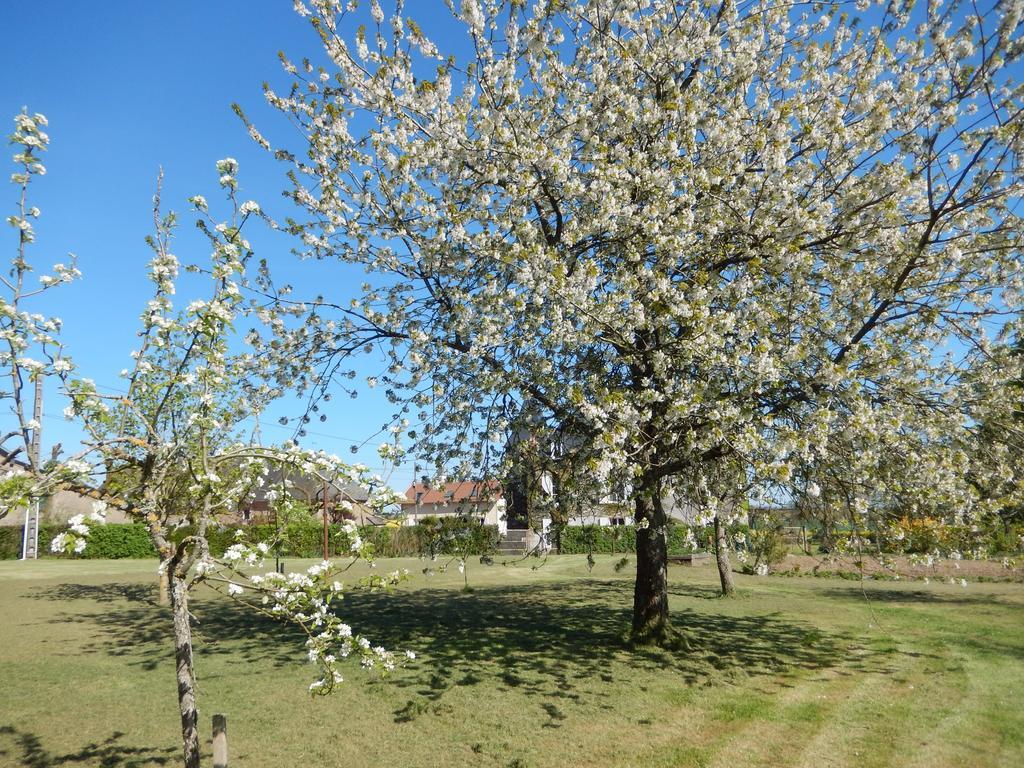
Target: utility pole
[418,493]
[326,553]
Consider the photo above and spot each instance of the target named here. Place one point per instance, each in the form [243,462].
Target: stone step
[511,548]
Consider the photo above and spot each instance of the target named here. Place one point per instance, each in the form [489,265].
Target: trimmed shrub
[219,539]
[114,541]
[597,539]
[454,536]
[10,542]
[615,539]
[117,542]
[393,542]
[441,536]
[305,540]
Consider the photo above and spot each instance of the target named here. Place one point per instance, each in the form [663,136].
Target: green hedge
[441,536]
[613,539]
[10,542]
[305,540]
[116,541]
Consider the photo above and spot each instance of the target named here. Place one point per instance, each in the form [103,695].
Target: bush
[441,536]
[615,539]
[113,541]
[116,542]
[220,539]
[454,536]
[392,542]
[1004,538]
[597,539]
[10,542]
[305,540]
[767,545]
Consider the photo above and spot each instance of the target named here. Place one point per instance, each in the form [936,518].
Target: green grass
[527,670]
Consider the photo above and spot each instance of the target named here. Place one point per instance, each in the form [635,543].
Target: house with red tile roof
[475,499]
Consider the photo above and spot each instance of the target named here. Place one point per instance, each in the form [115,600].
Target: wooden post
[220,741]
[163,598]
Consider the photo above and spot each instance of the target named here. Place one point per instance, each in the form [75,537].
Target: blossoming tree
[693,232]
[31,348]
[171,441]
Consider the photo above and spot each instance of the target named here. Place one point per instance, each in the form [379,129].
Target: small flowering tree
[691,233]
[169,444]
[30,346]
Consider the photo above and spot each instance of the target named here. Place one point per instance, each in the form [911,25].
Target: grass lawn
[527,670]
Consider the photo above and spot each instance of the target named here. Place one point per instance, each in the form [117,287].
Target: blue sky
[129,87]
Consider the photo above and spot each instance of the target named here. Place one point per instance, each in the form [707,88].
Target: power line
[275,424]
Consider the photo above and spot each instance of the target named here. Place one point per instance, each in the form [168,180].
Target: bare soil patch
[902,567]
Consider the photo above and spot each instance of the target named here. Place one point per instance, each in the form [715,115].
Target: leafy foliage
[117,542]
[689,233]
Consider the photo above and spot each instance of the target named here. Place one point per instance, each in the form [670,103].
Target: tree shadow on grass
[133,627]
[101,593]
[25,749]
[554,640]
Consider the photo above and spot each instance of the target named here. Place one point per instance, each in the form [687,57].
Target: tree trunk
[722,556]
[186,673]
[650,594]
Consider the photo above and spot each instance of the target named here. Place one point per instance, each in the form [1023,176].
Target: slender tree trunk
[186,673]
[722,556]
[650,594]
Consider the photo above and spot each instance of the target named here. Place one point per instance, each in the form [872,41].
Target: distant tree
[997,451]
[690,232]
[721,495]
[30,347]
